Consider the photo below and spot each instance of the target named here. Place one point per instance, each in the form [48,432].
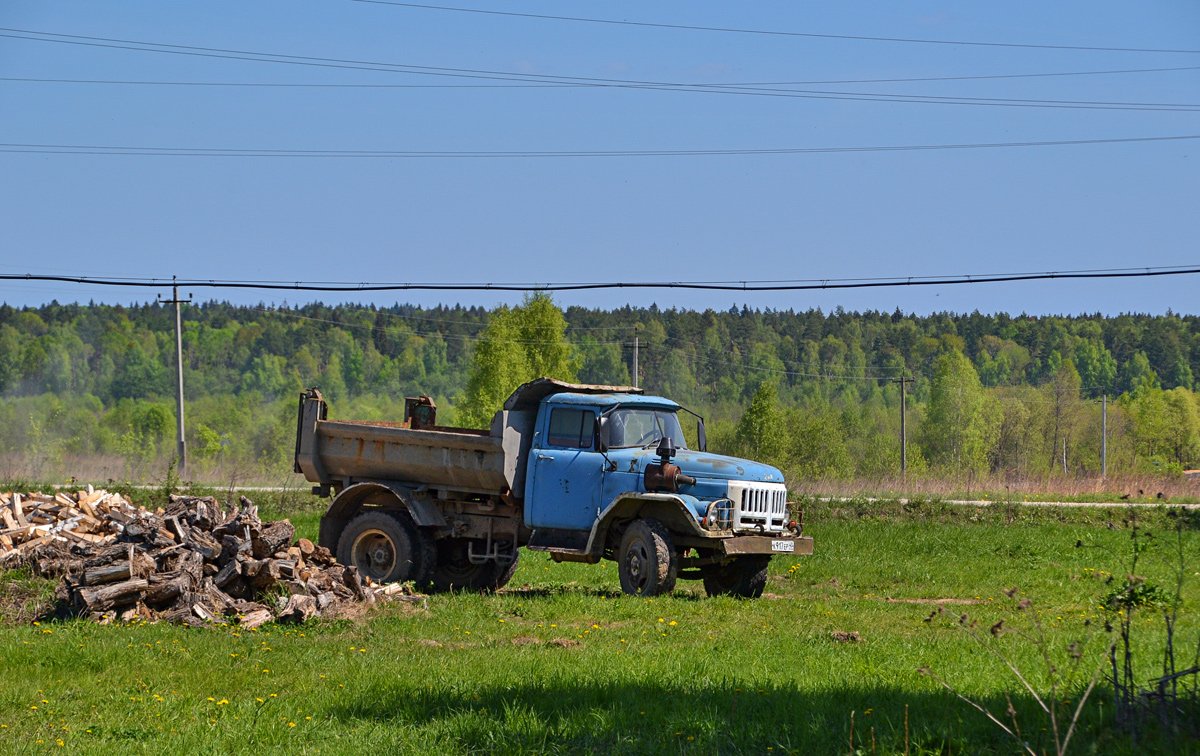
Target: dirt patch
[837,636]
[525,641]
[565,642]
[430,643]
[934,601]
[774,596]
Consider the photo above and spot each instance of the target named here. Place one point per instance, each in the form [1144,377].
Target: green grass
[684,674]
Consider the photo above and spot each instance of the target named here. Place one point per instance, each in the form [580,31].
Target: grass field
[561,662]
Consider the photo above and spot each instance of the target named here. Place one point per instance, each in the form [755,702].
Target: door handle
[544,456]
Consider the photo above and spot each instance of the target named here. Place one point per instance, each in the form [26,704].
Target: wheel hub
[374,554]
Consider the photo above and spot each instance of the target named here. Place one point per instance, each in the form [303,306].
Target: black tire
[744,577]
[384,546]
[455,572]
[646,560]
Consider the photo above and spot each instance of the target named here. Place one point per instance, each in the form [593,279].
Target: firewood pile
[194,561]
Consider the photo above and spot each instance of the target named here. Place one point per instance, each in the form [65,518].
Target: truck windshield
[644,427]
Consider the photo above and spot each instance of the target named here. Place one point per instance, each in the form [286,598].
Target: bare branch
[929,673]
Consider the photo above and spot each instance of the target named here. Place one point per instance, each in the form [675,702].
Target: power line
[721,89]
[747,286]
[775,33]
[902,80]
[70,149]
[582,81]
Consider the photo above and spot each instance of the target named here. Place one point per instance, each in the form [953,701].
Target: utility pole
[1103,436]
[635,357]
[903,381]
[180,443]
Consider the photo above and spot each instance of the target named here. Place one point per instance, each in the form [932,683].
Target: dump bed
[337,453]
[457,459]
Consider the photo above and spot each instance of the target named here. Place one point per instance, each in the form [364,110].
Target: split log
[104,597]
[263,574]
[110,574]
[167,588]
[256,618]
[227,574]
[274,536]
[298,609]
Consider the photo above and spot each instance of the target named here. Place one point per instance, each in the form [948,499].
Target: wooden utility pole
[1103,436]
[180,443]
[635,357]
[903,381]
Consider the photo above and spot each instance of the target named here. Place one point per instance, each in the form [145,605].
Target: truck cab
[581,472]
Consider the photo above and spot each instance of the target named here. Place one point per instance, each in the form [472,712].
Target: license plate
[783,546]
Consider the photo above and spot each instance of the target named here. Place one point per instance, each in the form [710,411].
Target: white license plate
[783,545]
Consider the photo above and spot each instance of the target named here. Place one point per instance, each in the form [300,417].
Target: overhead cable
[813,82]
[745,286]
[76,149]
[778,33]
[596,82]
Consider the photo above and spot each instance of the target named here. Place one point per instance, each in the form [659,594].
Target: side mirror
[701,436]
[603,433]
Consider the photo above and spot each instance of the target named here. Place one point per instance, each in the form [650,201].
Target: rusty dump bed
[452,458]
[338,453]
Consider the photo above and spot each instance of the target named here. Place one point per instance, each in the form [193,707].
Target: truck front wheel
[455,571]
[744,577]
[384,546]
[646,560]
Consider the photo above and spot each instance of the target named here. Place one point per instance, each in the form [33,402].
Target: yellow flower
[672,622]
[291,724]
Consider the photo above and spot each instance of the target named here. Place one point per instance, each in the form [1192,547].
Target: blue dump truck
[580,472]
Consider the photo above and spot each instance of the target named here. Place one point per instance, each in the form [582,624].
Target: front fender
[631,505]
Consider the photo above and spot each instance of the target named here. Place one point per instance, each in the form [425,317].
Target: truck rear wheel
[646,560]
[384,546]
[455,572]
[744,577]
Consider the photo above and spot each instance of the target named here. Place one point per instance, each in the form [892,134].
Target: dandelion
[291,724]
[672,623]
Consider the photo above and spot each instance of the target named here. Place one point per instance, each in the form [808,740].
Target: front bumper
[781,544]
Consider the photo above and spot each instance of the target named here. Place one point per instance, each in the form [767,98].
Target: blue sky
[611,218]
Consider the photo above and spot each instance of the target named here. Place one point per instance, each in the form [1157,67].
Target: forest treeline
[814,392]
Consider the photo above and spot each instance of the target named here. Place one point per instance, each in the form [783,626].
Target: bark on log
[273,537]
[167,588]
[227,574]
[101,598]
[109,574]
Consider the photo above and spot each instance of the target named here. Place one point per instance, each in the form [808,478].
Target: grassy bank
[562,663]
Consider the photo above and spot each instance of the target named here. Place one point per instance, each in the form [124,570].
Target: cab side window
[571,428]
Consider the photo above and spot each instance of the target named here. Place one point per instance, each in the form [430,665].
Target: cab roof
[608,400]
[529,396]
